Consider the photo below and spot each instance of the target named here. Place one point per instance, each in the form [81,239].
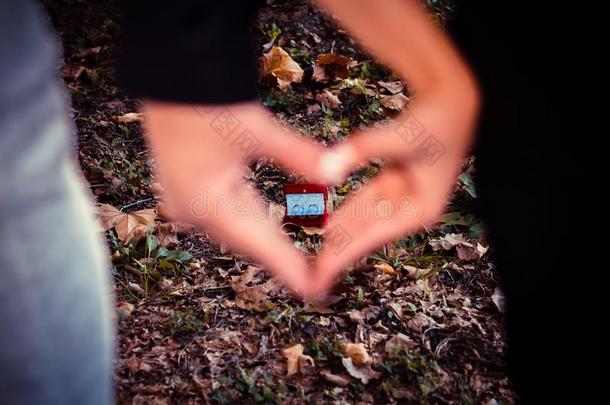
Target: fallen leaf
[447,242]
[127,225]
[135,224]
[295,359]
[396,308]
[255,298]
[336,379]
[73,72]
[313,108]
[418,322]
[364,374]
[328,99]
[133,287]
[394,102]
[322,306]
[248,275]
[164,283]
[498,298]
[124,310]
[398,343]
[331,66]
[393,87]
[413,272]
[357,353]
[109,215]
[167,233]
[278,64]
[386,268]
[130,117]
[133,364]
[469,251]
[312,230]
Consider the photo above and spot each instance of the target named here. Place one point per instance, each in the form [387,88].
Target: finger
[405,138]
[293,151]
[384,211]
[240,218]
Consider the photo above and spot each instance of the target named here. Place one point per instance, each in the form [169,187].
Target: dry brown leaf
[73,72]
[466,249]
[313,108]
[109,215]
[393,87]
[336,379]
[255,298]
[447,241]
[395,102]
[312,230]
[241,282]
[414,272]
[296,360]
[331,66]
[469,251]
[364,374]
[278,64]
[386,268]
[127,225]
[322,306]
[133,364]
[167,233]
[135,288]
[319,74]
[399,342]
[124,310]
[130,117]
[357,352]
[328,99]
[135,224]
[418,322]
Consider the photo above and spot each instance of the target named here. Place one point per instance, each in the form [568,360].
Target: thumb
[293,151]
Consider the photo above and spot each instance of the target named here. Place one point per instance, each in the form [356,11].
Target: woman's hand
[200,154]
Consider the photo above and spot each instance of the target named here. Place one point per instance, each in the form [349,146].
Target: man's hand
[200,154]
[424,149]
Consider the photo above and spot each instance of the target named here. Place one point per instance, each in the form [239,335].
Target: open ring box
[306,204]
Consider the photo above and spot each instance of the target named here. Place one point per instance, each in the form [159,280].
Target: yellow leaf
[295,359]
[357,353]
[130,117]
[386,268]
[127,225]
[277,63]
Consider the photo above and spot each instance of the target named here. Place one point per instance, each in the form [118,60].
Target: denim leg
[56,329]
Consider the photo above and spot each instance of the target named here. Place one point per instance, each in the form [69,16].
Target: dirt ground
[199,324]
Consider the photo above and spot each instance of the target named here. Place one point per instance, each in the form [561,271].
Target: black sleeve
[196,51]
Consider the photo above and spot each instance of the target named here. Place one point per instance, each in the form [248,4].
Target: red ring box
[306,204]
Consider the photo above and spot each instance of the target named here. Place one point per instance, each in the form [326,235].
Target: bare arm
[425,160]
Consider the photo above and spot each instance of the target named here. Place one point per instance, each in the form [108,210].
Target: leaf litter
[420,320]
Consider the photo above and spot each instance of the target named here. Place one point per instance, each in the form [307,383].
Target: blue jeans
[56,329]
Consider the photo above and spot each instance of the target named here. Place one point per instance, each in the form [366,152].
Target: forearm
[402,35]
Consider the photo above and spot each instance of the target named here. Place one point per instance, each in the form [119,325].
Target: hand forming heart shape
[200,154]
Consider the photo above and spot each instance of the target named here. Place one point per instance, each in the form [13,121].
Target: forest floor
[418,321]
